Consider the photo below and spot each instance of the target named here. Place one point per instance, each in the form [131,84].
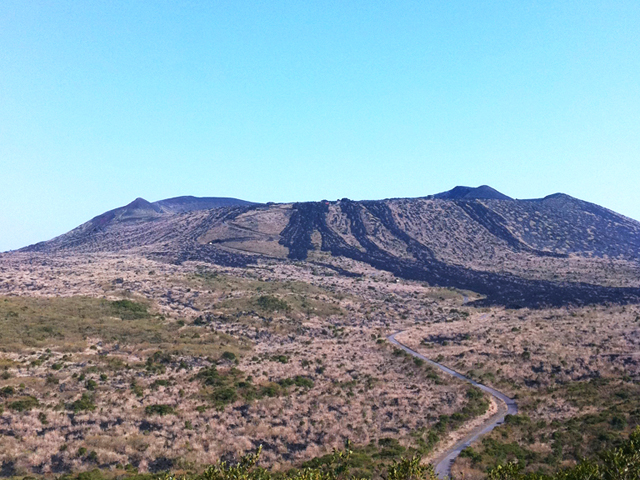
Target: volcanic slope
[550,251]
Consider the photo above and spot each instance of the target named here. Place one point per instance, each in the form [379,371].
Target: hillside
[170,336]
[553,250]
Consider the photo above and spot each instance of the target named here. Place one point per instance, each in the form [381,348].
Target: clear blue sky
[105,101]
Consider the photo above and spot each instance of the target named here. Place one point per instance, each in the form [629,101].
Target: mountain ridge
[516,252]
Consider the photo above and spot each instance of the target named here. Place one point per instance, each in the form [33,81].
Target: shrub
[199,322]
[159,383]
[7,391]
[271,390]
[84,403]
[298,381]
[517,420]
[391,448]
[128,310]
[24,404]
[470,453]
[618,464]
[159,409]
[224,395]
[160,357]
[137,389]
[228,356]
[270,303]
[209,376]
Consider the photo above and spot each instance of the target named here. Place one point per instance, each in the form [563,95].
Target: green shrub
[391,448]
[270,303]
[517,420]
[209,376]
[298,381]
[471,454]
[159,409]
[24,404]
[224,395]
[157,362]
[622,463]
[159,383]
[128,310]
[228,356]
[272,390]
[137,389]
[84,403]
[7,391]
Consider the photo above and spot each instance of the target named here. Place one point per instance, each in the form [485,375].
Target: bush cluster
[622,463]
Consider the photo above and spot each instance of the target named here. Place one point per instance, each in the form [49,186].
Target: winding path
[506,406]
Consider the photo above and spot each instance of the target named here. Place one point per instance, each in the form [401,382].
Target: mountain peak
[139,203]
[139,209]
[559,195]
[483,192]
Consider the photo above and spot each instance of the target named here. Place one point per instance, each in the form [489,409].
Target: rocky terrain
[551,251]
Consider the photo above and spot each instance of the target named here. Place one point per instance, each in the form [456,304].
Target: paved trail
[506,406]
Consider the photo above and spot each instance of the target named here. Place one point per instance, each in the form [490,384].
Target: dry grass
[57,348]
[518,350]
[331,332]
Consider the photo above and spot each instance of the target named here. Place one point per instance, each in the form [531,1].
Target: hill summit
[484,192]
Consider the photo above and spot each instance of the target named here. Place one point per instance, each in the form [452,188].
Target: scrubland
[574,372]
[145,366]
[132,365]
